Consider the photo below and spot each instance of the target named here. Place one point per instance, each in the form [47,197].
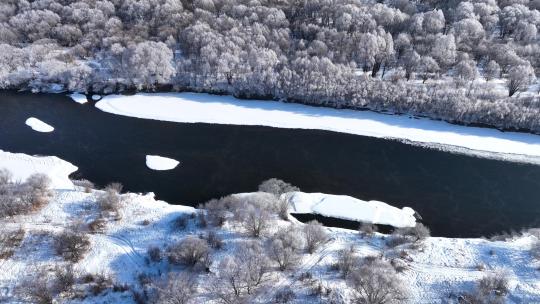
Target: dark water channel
[456,195]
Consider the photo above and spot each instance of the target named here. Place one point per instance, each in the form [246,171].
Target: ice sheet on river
[204,108]
[350,208]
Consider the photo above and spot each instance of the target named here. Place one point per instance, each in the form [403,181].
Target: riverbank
[436,272]
[204,108]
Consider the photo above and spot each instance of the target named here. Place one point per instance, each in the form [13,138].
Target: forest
[470,62]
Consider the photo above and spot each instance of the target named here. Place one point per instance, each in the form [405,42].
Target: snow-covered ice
[160,163]
[38,125]
[22,166]
[96,97]
[350,208]
[204,108]
[79,98]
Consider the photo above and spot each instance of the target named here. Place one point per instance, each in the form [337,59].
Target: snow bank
[22,166]
[38,125]
[160,163]
[79,98]
[204,108]
[350,208]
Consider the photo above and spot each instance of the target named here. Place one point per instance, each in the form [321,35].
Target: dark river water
[457,195]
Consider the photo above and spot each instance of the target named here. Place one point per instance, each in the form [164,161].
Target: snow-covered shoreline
[205,108]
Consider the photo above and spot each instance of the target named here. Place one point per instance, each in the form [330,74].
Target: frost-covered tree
[520,78]
[148,64]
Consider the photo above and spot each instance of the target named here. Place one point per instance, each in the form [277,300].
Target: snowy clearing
[350,208]
[22,166]
[204,108]
[160,163]
[38,125]
[435,273]
[79,98]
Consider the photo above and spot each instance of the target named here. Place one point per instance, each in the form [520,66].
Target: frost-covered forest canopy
[465,61]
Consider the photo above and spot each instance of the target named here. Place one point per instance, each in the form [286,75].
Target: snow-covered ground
[439,268]
[350,208]
[204,108]
[160,163]
[38,125]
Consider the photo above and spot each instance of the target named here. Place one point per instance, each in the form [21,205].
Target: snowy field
[204,108]
[435,272]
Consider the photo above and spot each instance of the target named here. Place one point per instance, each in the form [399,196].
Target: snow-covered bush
[10,240]
[285,295]
[87,185]
[276,187]
[154,253]
[415,234]
[315,235]
[347,261]
[64,278]
[214,240]
[240,274]
[377,282]
[285,247]
[23,198]
[255,220]
[109,202]
[367,229]
[535,250]
[190,251]
[491,289]
[38,289]
[5,176]
[71,245]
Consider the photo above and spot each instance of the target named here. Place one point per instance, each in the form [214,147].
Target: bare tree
[255,220]
[277,187]
[179,289]
[519,78]
[315,235]
[376,282]
[190,251]
[346,260]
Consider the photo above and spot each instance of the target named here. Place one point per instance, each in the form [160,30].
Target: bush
[255,220]
[414,234]
[101,283]
[17,198]
[214,240]
[64,278]
[491,289]
[37,289]
[376,282]
[5,176]
[109,203]
[10,240]
[98,225]
[315,235]
[535,250]
[72,246]
[367,229]
[285,247]
[190,251]
[276,187]
[154,253]
[87,185]
[346,261]
[284,296]
[181,222]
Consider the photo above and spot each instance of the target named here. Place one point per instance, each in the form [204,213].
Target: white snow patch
[160,163]
[204,108]
[96,97]
[79,98]
[22,166]
[350,208]
[38,125]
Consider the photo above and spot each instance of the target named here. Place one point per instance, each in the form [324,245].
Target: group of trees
[342,53]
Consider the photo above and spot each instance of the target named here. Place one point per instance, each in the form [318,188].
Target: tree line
[426,57]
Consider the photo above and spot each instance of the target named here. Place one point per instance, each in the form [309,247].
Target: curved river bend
[457,195]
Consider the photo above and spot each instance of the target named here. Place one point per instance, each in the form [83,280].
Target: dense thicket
[419,57]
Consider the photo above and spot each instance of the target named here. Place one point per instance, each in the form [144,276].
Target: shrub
[109,202]
[376,282]
[64,278]
[214,240]
[315,235]
[417,233]
[367,229]
[189,251]
[346,261]
[285,247]
[491,289]
[115,187]
[181,222]
[101,283]
[535,250]
[10,240]
[5,176]
[255,220]
[154,253]
[98,225]
[71,245]
[285,295]
[87,185]
[276,187]
[37,289]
